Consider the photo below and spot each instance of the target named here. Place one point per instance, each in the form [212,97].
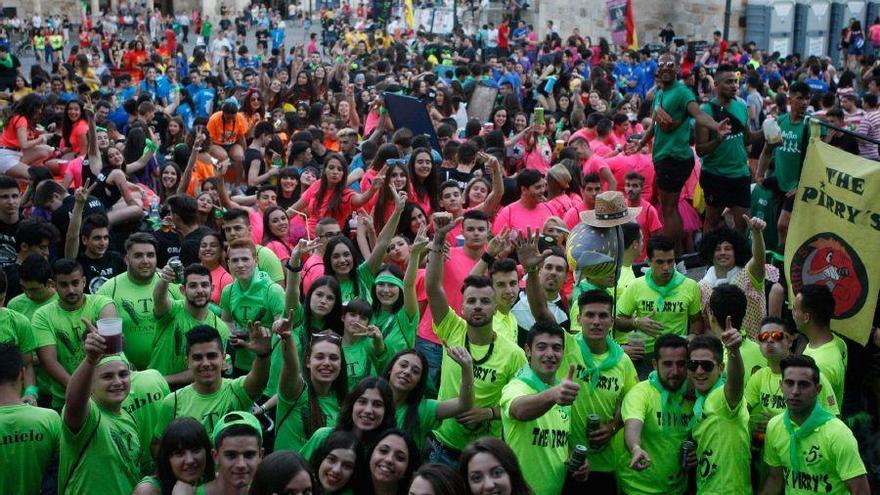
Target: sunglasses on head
[693,364]
[774,336]
[666,65]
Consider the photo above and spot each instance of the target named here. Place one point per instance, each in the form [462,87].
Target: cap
[237,418]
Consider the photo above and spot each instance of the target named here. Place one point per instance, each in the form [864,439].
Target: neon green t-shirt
[829,456]
[752,358]
[674,144]
[365,285]
[102,457]
[541,444]
[723,440]
[360,362]
[491,374]
[262,301]
[268,262]
[15,329]
[206,409]
[53,325]
[763,396]
[505,325]
[427,412]
[639,300]
[575,310]
[26,306]
[612,386]
[144,402]
[169,342]
[831,359]
[134,303]
[29,441]
[292,418]
[664,475]
[315,441]
[399,332]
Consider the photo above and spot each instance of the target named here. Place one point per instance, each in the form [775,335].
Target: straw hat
[610,211]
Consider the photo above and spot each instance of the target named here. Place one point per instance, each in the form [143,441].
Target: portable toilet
[781,20]
[758,23]
[873,12]
[838,20]
[858,10]
[811,27]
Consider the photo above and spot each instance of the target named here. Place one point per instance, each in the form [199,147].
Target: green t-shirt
[28,443]
[613,384]
[763,396]
[639,300]
[575,311]
[206,409]
[752,358]
[427,412]
[318,438]
[262,300]
[15,329]
[788,156]
[722,437]
[26,306]
[292,418]
[365,280]
[102,457]
[829,456]
[134,303]
[268,262]
[399,332]
[663,475]
[360,362]
[169,342]
[53,325]
[831,359]
[730,158]
[144,402]
[542,442]
[490,377]
[676,144]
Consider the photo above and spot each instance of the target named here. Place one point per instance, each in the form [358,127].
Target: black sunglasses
[693,364]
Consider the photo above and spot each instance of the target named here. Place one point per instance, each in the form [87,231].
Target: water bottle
[772,132]
[155,218]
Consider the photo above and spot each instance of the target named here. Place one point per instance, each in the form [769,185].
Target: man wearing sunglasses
[674,105]
[807,448]
[763,392]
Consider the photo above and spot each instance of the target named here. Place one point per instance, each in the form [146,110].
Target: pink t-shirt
[255,217]
[220,278]
[600,148]
[516,216]
[650,222]
[456,269]
[617,139]
[573,216]
[317,209]
[621,165]
[594,164]
[561,204]
[367,179]
[312,269]
[280,250]
[540,157]
[81,128]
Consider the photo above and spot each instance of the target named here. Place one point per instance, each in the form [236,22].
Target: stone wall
[694,19]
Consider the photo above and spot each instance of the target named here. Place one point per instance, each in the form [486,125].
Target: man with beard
[532,210]
[132,292]
[535,411]
[175,318]
[806,445]
[496,360]
[656,414]
[551,274]
[58,327]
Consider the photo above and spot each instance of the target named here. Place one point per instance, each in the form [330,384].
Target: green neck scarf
[664,291]
[6,62]
[615,354]
[817,418]
[666,416]
[701,401]
[528,376]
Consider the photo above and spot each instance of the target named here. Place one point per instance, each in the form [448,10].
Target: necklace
[467,345]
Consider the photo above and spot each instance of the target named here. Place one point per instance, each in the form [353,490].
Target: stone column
[96,7]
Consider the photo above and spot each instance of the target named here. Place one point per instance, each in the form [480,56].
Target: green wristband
[33,391]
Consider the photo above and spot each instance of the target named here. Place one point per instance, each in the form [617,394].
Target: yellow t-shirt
[663,475]
[613,384]
[490,377]
[752,358]
[831,359]
[541,442]
[829,456]
[722,437]
[639,300]
[505,326]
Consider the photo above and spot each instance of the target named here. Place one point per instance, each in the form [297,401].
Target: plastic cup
[636,338]
[111,330]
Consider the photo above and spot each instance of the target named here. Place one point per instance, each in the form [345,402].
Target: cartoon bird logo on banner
[595,246]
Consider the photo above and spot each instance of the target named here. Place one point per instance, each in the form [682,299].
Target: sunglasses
[707,366]
[776,336]
[666,65]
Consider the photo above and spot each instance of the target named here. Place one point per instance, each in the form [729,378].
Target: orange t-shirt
[226,133]
[201,172]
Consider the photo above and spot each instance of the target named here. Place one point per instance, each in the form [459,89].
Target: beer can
[594,422]
[539,116]
[177,266]
[578,456]
[687,447]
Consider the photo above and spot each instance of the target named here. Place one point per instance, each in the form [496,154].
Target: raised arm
[735,384]
[387,232]
[360,199]
[531,407]
[531,259]
[759,254]
[93,154]
[140,163]
[71,239]
[161,302]
[443,224]
[79,388]
[493,200]
[453,407]
[290,382]
[410,299]
[186,177]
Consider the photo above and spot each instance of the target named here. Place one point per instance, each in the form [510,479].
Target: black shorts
[788,204]
[721,192]
[671,174]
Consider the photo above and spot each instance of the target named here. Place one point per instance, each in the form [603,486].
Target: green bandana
[665,414]
[701,401]
[593,371]
[676,280]
[389,279]
[528,376]
[580,288]
[6,62]
[113,357]
[817,418]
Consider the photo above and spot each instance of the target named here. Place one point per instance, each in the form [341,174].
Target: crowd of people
[313,299]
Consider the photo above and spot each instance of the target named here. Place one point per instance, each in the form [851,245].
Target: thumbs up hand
[566,392]
[730,337]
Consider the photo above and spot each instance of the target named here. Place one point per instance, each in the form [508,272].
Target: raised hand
[527,250]
[302,248]
[81,195]
[95,345]
[730,337]
[420,242]
[400,198]
[377,183]
[259,341]
[566,392]
[500,243]
[167,274]
[443,224]
[283,327]
[461,356]
[724,128]
[756,225]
